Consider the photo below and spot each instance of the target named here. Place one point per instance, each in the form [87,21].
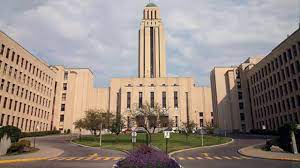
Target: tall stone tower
[152,47]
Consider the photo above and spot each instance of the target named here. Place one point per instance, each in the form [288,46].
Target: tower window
[128,100]
[175,99]
[164,99]
[152,99]
[140,99]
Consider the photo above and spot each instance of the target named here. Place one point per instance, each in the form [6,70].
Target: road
[74,156]
[228,157]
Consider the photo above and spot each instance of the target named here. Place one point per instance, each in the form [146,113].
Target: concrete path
[255,151]
[67,155]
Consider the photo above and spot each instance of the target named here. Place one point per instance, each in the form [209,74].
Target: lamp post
[36,129]
[201,131]
[100,136]
[133,139]
[264,128]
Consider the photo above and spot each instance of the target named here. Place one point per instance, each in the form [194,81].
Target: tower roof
[151,5]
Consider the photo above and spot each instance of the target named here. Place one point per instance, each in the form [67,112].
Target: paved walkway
[255,151]
[44,152]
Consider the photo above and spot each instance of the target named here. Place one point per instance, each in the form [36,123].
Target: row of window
[278,121]
[279,107]
[30,82]
[14,89]
[17,106]
[151,85]
[25,64]
[279,61]
[276,93]
[152,98]
[22,123]
[271,81]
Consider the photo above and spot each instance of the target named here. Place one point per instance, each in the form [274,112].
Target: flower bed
[148,157]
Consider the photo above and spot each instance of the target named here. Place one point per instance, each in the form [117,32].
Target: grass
[176,141]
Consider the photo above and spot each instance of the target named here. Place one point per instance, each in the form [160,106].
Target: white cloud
[103,35]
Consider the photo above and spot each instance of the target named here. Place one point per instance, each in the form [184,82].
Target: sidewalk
[42,154]
[256,152]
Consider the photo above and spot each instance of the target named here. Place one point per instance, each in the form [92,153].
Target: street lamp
[264,128]
[36,129]
[133,139]
[201,131]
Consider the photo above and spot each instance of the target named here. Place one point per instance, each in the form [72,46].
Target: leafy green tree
[11,131]
[188,129]
[94,121]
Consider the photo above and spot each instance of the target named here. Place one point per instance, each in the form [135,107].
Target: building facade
[33,93]
[263,90]
[27,88]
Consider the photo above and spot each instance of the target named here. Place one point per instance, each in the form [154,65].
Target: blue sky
[103,35]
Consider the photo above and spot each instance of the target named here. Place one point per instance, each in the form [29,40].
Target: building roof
[151,5]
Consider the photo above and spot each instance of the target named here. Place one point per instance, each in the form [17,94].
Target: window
[2,49]
[140,99]
[239,85]
[2,119]
[164,99]
[64,97]
[175,99]
[240,95]
[241,105]
[128,100]
[242,116]
[201,122]
[66,76]
[62,118]
[7,52]
[176,121]
[65,86]
[200,114]
[62,108]
[152,99]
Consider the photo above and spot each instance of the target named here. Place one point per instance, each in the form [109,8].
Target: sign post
[36,129]
[133,139]
[201,131]
[167,136]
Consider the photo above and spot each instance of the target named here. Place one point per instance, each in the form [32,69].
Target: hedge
[13,132]
[40,133]
[264,132]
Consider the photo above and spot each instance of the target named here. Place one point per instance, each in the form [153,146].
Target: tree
[117,126]
[188,129]
[94,121]
[79,124]
[147,117]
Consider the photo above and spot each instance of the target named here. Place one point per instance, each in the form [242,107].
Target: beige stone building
[26,88]
[57,96]
[260,91]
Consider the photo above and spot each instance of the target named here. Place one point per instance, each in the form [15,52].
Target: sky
[103,34]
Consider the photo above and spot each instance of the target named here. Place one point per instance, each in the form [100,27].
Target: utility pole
[100,138]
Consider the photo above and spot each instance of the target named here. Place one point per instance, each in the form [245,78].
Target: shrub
[264,132]
[13,132]
[285,137]
[147,157]
[40,133]
[19,147]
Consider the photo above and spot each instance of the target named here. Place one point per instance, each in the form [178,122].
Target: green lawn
[176,142]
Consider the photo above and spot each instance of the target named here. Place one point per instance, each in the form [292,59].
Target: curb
[201,147]
[240,151]
[85,146]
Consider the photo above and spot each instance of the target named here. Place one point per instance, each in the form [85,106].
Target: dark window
[2,49]
[242,116]
[294,51]
[62,118]
[152,99]
[62,108]
[7,53]
[65,86]
[2,119]
[241,105]
[164,99]
[175,99]
[140,99]
[200,114]
[66,76]
[128,100]
[240,95]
